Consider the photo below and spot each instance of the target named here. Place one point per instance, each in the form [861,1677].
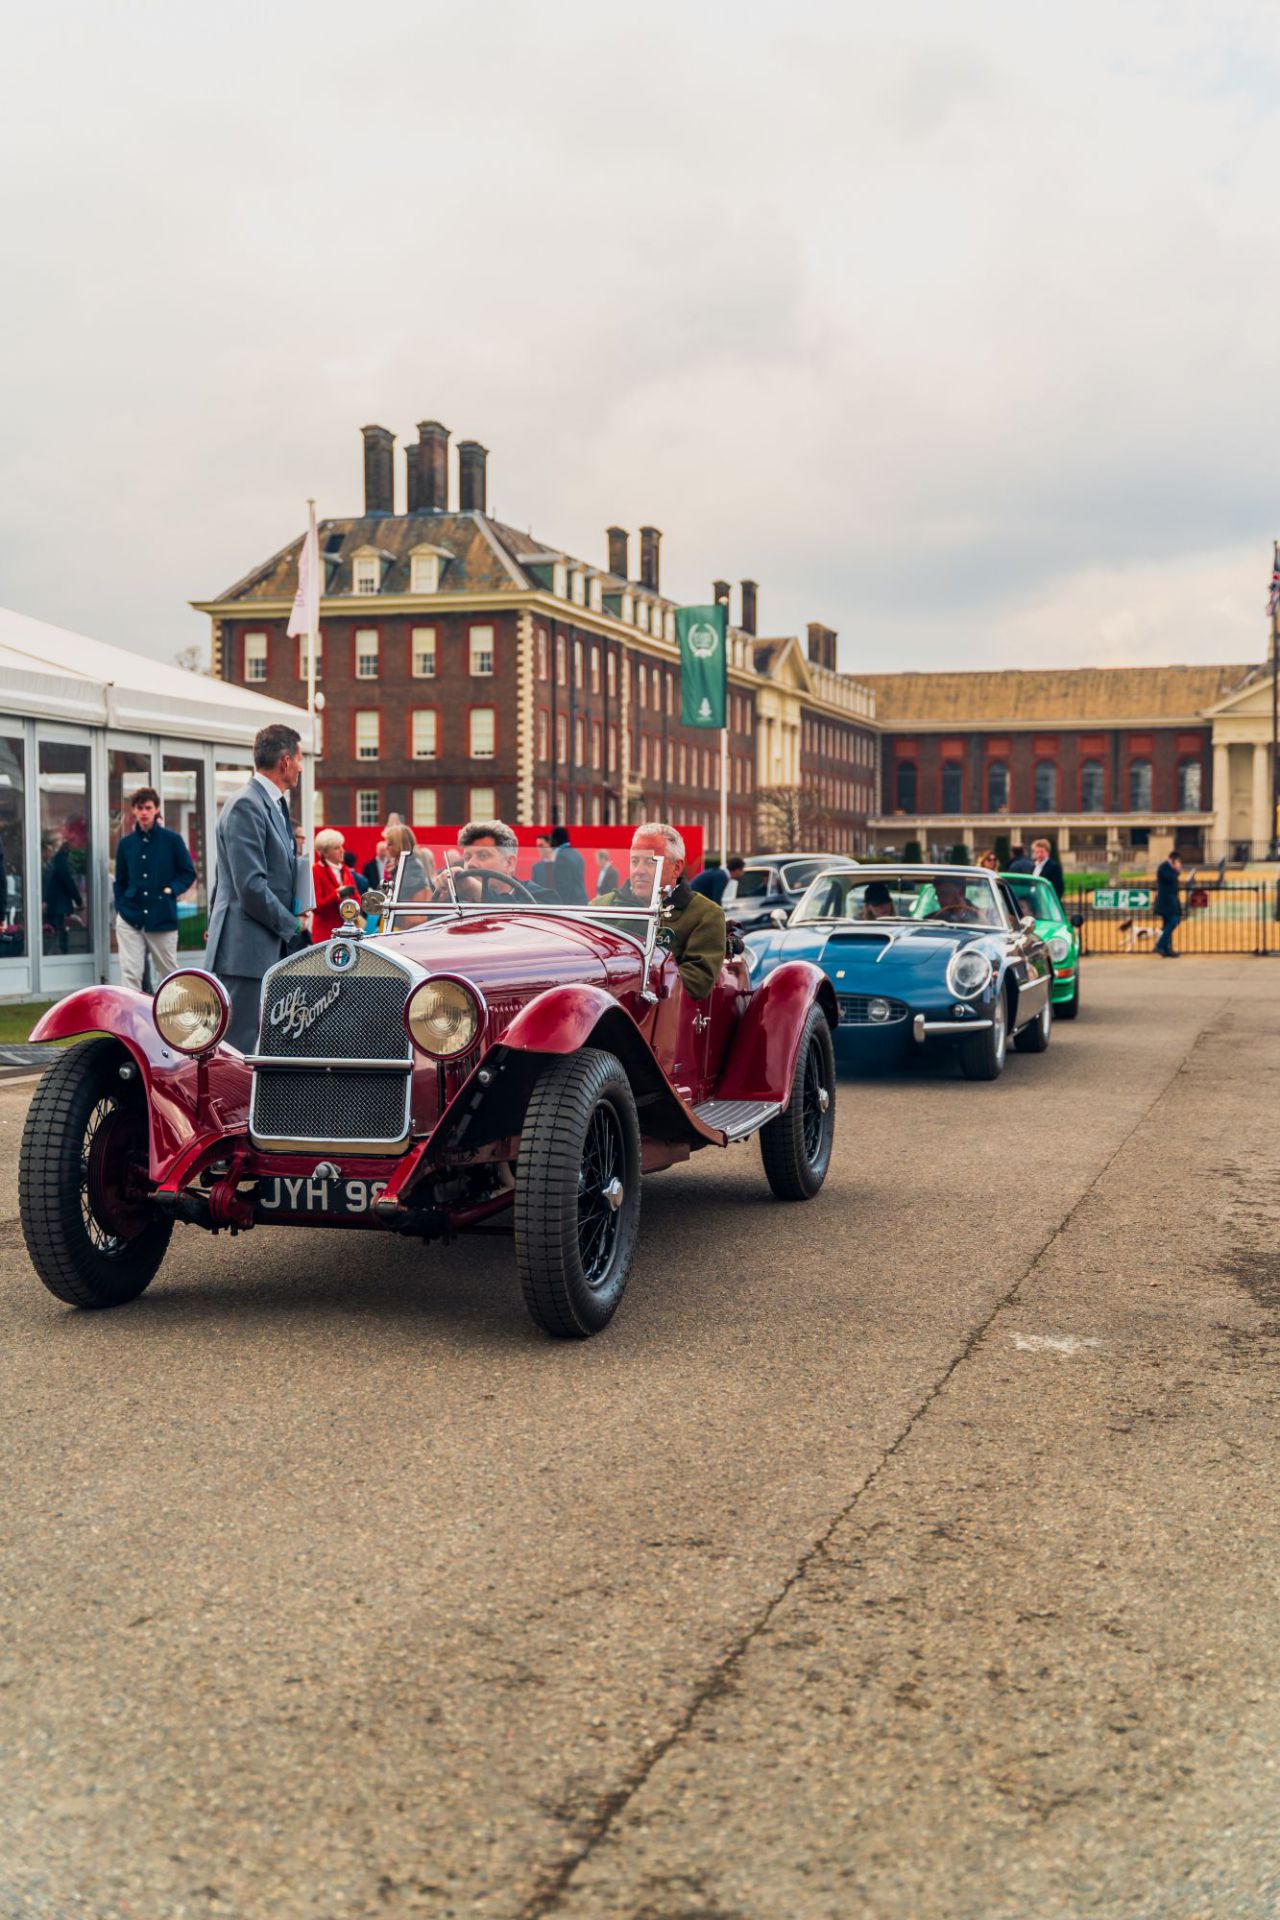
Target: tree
[791,818]
[190,659]
[912,853]
[959,854]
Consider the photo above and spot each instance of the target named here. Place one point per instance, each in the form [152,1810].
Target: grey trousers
[246,993]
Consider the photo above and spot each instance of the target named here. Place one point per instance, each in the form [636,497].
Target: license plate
[306,1194]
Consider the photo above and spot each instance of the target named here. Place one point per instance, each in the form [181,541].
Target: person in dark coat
[61,893]
[153,867]
[1168,905]
[712,880]
[379,871]
[1046,866]
[1018,860]
[542,874]
[606,873]
[569,873]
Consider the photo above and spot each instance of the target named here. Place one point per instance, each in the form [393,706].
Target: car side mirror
[1077,919]
[779,917]
[1027,922]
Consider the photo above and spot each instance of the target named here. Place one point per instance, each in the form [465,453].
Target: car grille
[332,1106]
[855,1010]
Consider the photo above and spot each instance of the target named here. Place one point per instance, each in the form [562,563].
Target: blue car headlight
[969,973]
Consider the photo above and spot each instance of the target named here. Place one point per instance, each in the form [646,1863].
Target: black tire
[574,1240]
[1035,1036]
[1069,1009]
[982,1057]
[92,1233]
[796,1147]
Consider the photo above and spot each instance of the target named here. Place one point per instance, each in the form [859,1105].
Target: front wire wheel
[577,1207]
[93,1236]
[982,1055]
[796,1147]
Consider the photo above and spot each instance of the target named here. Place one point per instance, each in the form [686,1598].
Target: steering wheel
[512,889]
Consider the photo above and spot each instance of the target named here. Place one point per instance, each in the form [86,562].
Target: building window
[426,810]
[611,674]
[559,580]
[561,661]
[317,807]
[482,650]
[577,663]
[905,783]
[368,807]
[595,744]
[423,653]
[255,657]
[1092,787]
[542,653]
[578,585]
[642,615]
[1046,786]
[952,786]
[562,738]
[1139,786]
[303,644]
[366,573]
[998,787]
[595,669]
[613,749]
[544,733]
[579,744]
[368,736]
[482,735]
[424,573]
[597,594]
[366,653]
[628,609]
[1190,786]
[424,734]
[670,626]
[484,805]
[642,687]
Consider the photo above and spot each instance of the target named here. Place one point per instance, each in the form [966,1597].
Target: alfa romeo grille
[311,1011]
[855,1010]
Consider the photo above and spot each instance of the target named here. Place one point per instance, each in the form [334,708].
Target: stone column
[1221,799]
[1261,817]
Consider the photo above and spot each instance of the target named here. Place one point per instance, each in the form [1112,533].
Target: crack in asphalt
[556,1881]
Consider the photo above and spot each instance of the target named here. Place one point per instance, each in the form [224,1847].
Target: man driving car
[690,927]
[954,904]
[488,847]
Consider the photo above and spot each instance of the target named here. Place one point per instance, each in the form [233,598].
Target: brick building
[471,669]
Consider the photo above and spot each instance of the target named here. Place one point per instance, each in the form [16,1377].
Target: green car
[1061,935]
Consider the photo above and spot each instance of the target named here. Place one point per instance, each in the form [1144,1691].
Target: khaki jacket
[691,927]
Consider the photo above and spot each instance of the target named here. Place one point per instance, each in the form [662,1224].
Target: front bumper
[922,1028]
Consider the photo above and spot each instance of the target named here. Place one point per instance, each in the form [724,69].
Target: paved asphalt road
[912,1553]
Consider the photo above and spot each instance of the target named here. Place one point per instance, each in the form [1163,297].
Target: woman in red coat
[332,883]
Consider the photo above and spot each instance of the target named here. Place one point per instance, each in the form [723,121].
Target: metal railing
[1217,917]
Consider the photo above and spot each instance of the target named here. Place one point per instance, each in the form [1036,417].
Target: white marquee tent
[82,724]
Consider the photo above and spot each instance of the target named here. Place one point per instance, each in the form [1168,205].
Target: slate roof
[1058,695]
[485,556]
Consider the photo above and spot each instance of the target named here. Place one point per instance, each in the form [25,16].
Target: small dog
[1134,936]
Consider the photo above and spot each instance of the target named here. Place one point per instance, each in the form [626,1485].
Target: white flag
[305,618]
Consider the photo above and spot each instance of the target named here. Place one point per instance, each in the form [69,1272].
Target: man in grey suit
[252,915]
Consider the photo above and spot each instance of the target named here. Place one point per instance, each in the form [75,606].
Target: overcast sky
[954,326]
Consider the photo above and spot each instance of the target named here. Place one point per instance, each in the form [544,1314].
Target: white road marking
[1053,1342]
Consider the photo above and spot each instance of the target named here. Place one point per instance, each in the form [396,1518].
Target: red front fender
[762,1055]
[179,1110]
[560,1020]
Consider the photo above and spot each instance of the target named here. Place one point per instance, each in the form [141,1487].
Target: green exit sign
[1123,899]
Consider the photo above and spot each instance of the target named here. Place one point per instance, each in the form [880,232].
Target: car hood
[520,950]
[871,962]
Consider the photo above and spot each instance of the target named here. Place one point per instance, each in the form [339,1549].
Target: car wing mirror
[1077,919]
[1027,922]
[779,917]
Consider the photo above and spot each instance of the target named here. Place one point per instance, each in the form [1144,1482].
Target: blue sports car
[920,956]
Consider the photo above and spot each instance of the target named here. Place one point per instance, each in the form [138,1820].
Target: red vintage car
[487,1055]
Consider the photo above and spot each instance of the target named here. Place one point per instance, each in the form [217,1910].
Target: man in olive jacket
[690,926]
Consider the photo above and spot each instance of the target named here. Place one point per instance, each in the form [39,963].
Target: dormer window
[366,572]
[596,593]
[425,565]
[560,580]
[578,589]
[642,616]
[628,609]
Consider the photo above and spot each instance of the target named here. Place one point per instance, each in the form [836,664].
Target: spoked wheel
[92,1233]
[1034,1037]
[578,1194]
[982,1057]
[796,1147]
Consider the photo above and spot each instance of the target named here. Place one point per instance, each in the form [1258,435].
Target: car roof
[782,859]
[945,867]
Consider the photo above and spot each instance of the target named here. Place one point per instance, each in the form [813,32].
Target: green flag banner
[704,665]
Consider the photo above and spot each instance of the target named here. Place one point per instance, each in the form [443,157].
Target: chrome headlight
[968,973]
[443,1017]
[1060,947]
[191,1011]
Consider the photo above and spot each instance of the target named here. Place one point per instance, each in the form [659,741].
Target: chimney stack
[650,540]
[472,483]
[618,552]
[720,594]
[379,470]
[822,645]
[433,467]
[749,592]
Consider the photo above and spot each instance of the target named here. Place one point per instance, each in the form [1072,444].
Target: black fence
[1217,917]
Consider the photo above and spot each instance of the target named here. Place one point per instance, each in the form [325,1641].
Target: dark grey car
[773,882]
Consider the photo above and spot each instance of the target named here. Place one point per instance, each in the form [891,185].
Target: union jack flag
[1273,598]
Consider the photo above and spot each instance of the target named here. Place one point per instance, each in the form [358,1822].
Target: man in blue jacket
[152,868]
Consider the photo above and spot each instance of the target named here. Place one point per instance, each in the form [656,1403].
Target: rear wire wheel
[93,1235]
[796,1147]
[577,1207]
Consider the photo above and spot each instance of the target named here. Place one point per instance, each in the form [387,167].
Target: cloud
[952,330]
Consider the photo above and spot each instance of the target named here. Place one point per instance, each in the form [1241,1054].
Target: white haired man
[690,926]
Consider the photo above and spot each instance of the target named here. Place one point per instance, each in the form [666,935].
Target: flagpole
[724,793]
[1274,848]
